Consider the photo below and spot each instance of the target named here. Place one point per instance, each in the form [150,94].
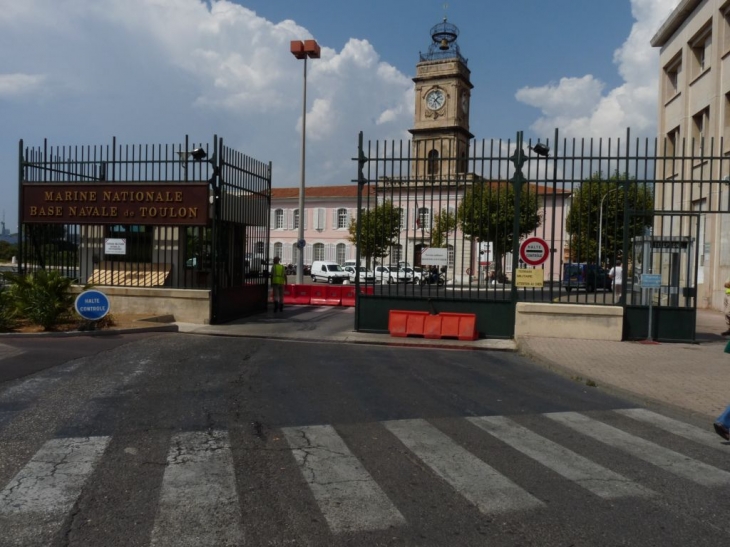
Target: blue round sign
[92,305]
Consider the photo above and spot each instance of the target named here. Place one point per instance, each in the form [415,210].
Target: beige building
[694,131]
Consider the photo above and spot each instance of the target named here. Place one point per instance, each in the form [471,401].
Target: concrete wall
[185,305]
[569,321]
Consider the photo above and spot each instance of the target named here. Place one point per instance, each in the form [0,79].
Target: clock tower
[441,124]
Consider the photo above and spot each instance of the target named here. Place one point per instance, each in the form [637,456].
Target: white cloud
[16,85]
[578,106]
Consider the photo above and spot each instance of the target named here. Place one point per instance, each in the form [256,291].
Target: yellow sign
[530,278]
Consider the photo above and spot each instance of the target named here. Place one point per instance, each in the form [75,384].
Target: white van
[353,263]
[331,272]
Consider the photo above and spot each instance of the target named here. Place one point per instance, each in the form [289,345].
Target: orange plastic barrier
[333,295]
[451,325]
[302,294]
[406,323]
[318,297]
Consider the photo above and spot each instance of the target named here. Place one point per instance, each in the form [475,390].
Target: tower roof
[443,43]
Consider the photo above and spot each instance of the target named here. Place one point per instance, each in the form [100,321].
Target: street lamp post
[600,224]
[308,49]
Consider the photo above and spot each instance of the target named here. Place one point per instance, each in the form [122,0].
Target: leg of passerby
[722,424]
[726,308]
[278,297]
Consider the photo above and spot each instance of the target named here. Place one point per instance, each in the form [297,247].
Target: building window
[452,257]
[700,128]
[423,219]
[726,30]
[700,49]
[279,219]
[726,125]
[433,163]
[396,254]
[279,250]
[295,219]
[260,247]
[318,251]
[401,218]
[341,250]
[341,219]
[671,78]
[319,219]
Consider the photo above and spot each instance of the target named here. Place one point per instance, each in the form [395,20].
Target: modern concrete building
[694,125]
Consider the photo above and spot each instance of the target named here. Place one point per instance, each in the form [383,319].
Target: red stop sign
[534,251]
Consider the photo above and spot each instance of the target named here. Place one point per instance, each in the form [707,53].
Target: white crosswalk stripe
[348,497]
[705,437]
[198,502]
[34,504]
[478,482]
[593,477]
[668,460]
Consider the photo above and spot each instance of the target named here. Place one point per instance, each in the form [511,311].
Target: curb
[77,333]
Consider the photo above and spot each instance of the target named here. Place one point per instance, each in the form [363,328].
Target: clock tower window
[433,163]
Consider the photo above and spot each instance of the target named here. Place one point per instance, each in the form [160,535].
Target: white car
[362,273]
[384,274]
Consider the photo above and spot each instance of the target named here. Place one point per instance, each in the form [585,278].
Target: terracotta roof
[346,191]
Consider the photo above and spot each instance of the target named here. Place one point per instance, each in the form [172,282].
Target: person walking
[722,424]
[726,307]
[278,280]
[616,274]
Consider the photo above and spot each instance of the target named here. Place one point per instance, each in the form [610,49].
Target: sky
[80,72]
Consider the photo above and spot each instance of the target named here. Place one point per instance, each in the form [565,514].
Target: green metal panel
[495,319]
[668,324]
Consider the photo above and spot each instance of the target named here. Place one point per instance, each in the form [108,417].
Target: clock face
[465,103]
[435,99]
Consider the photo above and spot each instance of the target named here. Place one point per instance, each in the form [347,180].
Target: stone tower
[441,123]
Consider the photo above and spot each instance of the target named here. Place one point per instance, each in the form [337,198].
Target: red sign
[534,251]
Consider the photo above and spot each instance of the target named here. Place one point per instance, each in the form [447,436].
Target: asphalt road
[180,440]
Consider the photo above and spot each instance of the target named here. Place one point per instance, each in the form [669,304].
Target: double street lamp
[308,49]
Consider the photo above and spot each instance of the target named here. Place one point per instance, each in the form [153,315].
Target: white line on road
[478,482]
[34,504]
[668,460]
[198,502]
[346,493]
[591,476]
[706,437]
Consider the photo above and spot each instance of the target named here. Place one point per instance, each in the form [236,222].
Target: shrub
[7,309]
[42,298]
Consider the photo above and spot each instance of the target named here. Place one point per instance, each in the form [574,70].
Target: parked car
[364,274]
[382,274]
[585,276]
[408,275]
[331,272]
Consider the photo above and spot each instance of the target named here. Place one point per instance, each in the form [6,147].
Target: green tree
[443,223]
[487,213]
[7,251]
[597,212]
[380,228]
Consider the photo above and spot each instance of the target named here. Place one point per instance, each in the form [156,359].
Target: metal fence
[595,202]
[154,239]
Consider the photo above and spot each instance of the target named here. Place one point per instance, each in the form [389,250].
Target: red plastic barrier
[432,326]
[333,295]
[290,294]
[302,294]
[348,295]
[406,323]
[318,297]
[367,289]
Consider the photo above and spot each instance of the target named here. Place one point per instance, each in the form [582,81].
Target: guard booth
[670,256]
[177,230]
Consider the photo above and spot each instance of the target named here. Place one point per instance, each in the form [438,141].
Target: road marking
[706,437]
[198,501]
[9,351]
[34,504]
[346,493]
[668,460]
[478,482]
[591,476]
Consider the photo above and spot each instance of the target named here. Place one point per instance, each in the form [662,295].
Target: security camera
[541,150]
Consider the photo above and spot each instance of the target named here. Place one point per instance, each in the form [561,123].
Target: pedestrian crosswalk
[200,493]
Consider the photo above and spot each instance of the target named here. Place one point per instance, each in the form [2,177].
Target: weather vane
[446,7]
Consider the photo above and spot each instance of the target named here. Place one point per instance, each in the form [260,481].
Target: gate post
[517,180]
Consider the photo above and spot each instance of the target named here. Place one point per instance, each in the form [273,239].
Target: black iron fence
[184,216]
[647,204]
